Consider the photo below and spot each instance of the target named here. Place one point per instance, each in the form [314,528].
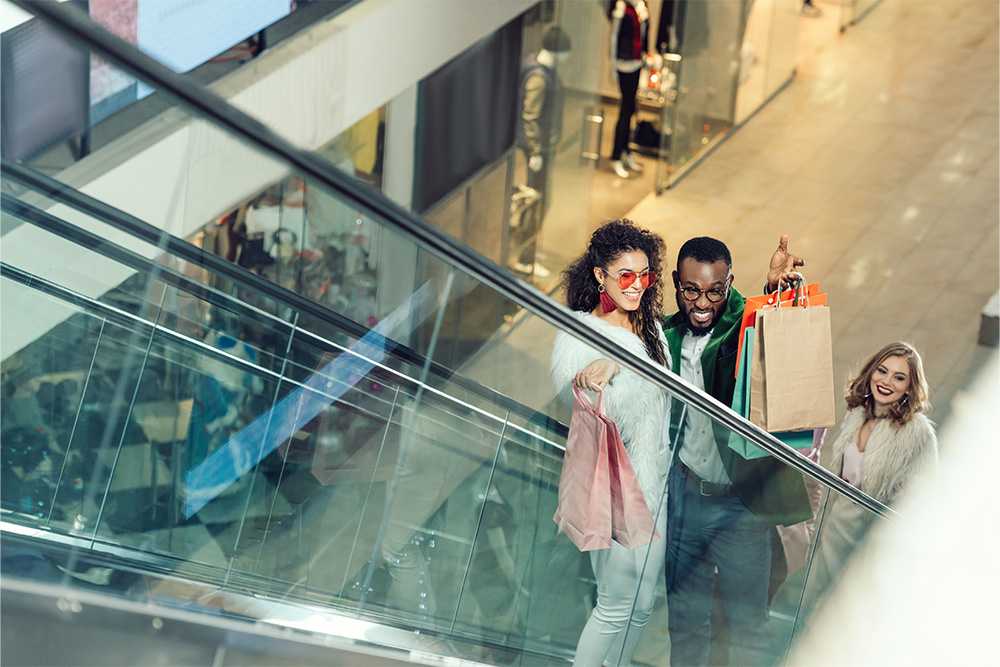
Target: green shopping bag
[741,406]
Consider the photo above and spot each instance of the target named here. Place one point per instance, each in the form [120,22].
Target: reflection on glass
[233,458]
[307,239]
[41,410]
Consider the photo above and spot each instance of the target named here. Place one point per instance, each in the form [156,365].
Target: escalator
[182,433]
[197,434]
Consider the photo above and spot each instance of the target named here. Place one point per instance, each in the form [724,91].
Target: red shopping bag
[632,523]
[787,299]
[584,509]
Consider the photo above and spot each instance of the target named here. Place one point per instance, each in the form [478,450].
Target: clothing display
[541,95]
[307,239]
[629,24]
[628,86]
[539,130]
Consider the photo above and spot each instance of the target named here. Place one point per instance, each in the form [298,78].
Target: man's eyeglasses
[627,278]
[715,295]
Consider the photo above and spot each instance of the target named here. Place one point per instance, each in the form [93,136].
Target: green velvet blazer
[766,486]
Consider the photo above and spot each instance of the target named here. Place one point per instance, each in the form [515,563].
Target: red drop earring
[607,303]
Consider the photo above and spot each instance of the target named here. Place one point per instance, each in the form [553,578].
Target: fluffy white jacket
[893,454]
[637,407]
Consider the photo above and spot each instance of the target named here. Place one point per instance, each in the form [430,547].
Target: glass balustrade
[180,429]
[252,451]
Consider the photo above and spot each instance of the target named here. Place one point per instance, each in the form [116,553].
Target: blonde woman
[885,440]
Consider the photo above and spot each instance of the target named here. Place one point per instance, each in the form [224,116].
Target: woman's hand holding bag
[599,495]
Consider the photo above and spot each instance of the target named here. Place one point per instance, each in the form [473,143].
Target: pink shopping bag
[584,509]
[632,523]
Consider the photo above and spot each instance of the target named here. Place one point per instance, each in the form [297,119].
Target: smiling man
[720,506]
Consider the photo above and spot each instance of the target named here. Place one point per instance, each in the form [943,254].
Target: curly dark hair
[608,243]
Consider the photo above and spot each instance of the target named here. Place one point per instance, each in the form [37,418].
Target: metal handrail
[75,23]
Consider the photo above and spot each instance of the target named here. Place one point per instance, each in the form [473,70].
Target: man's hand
[535,163]
[782,266]
[597,375]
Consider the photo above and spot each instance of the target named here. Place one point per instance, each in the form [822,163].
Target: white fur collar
[893,453]
[638,409]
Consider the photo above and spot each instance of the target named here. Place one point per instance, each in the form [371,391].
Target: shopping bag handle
[801,297]
[585,399]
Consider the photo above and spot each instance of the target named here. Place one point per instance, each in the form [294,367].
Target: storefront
[458,149]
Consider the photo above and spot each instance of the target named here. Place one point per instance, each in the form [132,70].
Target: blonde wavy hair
[915,399]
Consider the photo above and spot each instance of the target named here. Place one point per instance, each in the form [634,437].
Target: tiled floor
[880,161]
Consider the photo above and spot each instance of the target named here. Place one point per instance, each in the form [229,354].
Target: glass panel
[511,599]
[730,58]
[390,448]
[739,570]
[330,451]
[754,57]
[426,520]
[205,471]
[783,51]
[712,35]
[42,402]
[105,433]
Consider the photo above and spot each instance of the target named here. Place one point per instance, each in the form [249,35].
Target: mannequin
[629,23]
[538,133]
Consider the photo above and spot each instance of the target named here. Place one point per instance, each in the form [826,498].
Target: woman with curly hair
[885,440]
[613,288]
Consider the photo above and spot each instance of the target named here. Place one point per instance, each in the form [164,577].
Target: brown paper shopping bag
[791,384]
[783,299]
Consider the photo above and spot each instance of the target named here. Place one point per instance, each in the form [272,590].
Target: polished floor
[880,161]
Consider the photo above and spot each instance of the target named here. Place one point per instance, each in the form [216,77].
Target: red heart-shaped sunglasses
[627,278]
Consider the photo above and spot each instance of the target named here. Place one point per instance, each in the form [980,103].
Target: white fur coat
[893,454]
[637,408]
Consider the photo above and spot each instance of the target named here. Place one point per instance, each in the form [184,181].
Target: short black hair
[705,250]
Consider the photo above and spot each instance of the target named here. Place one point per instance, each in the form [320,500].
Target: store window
[304,237]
